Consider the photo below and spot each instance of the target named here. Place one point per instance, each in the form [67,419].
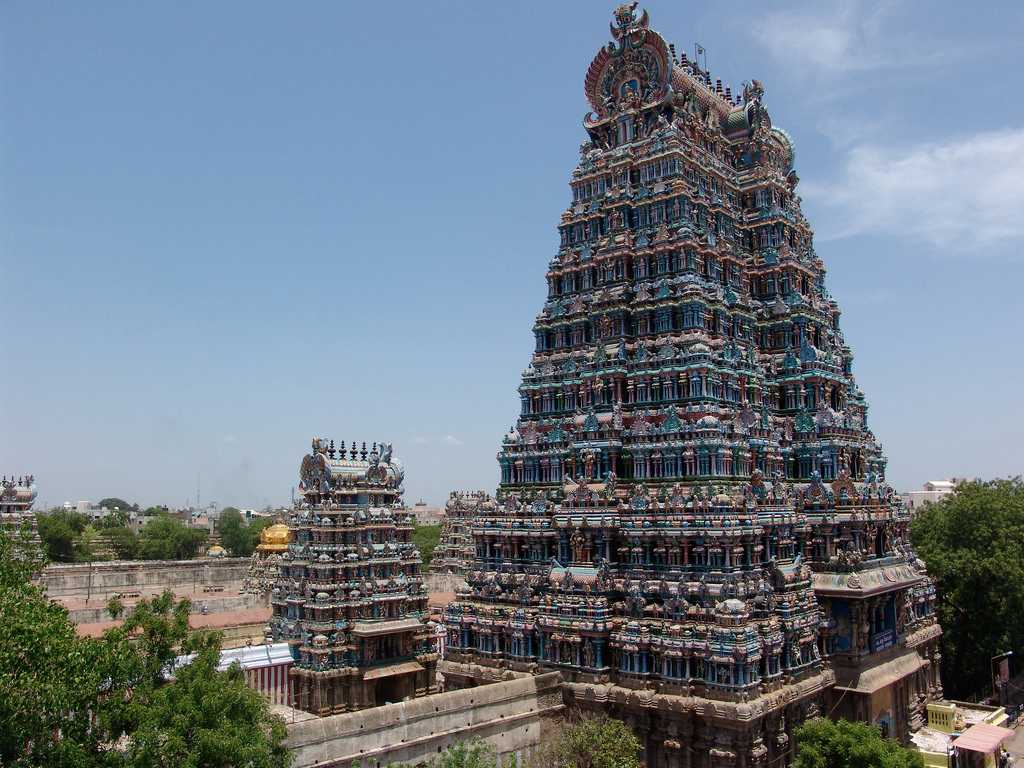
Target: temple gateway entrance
[393,689]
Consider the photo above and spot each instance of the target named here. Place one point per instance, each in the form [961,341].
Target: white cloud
[960,193]
[451,440]
[840,38]
[845,37]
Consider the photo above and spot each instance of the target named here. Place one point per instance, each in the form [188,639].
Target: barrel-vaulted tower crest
[693,523]
[636,67]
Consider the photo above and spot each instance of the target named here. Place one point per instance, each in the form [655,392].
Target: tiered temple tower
[693,524]
[350,600]
[17,496]
[455,551]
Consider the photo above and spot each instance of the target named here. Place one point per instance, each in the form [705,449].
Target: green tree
[115,608]
[973,544]
[87,545]
[165,538]
[124,542]
[824,743]
[117,518]
[465,754]
[234,534]
[60,531]
[119,512]
[85,702]
[426,538]
[206,718]
[58,537]
[473,754]
[590,742]
[46,673]
[113,503]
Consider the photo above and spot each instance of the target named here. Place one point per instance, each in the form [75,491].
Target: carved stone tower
[692,460]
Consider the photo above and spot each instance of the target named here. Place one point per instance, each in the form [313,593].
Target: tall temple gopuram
[693,524]
[456,551]
[17,496]
[349,598]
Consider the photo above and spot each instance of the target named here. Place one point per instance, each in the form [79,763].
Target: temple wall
[509,715]
[443,582]
[109,578]
[97,609]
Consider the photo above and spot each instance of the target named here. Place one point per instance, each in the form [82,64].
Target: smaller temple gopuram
[349,599]
[17,495]
[265,564]
[455,551]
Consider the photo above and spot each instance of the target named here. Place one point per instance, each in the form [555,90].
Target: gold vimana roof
[274,538]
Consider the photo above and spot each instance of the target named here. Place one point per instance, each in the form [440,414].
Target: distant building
[93,511]
[932,491]
[250,515]
[962,735]
[426,514]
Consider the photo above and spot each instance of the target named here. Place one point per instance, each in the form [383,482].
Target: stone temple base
[682,729]
[348,690]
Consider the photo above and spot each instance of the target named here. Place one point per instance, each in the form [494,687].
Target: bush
[590,741]
[824,743]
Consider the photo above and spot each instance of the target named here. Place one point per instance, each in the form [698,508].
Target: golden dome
[274,538]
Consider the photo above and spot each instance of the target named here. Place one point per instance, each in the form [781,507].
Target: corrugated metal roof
[983,738]
[249,657]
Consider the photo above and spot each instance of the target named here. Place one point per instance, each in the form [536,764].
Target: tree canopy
[472,754]
[240,538]
[116,518]
[60,531]
[113,503]
[90,702]
[124,542]
[426,538]
[973,544]
[592,741]
[586,742]
[164,538]
[234,534]
[824,743]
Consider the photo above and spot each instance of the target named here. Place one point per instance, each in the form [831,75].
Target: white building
[87,508]
[933,490]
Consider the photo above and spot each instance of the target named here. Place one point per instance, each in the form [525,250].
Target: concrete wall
[109,578]
[512,716]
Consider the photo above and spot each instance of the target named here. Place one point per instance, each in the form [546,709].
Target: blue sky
[228,227]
